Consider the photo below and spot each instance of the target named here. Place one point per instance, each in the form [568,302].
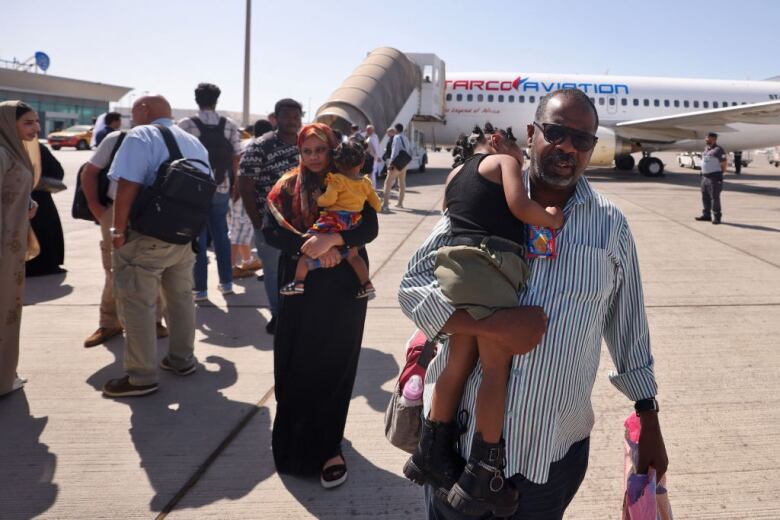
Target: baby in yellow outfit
[342,203]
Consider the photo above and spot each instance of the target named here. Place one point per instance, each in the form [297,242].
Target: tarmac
[200,446]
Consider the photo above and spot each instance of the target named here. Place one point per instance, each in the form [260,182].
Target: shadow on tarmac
[40,289]
[27,466]
[176,429]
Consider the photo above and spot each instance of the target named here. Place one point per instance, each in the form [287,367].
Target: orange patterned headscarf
[293,199]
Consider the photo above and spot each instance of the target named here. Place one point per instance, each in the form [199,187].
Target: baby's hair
[464,146]
[348,155]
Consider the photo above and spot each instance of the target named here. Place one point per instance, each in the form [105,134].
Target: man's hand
[652,451]
[519,329]
[331,258]
[318,245]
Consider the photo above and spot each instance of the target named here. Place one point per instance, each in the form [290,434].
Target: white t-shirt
[102,156]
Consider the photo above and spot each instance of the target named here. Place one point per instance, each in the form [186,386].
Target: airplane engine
[609,147]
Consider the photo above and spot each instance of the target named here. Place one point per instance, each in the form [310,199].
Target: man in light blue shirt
[143,264]
[394,173]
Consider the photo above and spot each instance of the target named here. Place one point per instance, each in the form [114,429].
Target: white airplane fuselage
[506,99]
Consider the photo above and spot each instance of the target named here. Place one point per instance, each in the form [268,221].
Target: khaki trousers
[142,267]
[108,314]
[393,175]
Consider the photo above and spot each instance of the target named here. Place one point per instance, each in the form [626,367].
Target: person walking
[263,163]
[18,124]
[315,365]
[592,290]
[143,264]
[46,224]
[396,170]
[222,138]
[375,152]
[713,166]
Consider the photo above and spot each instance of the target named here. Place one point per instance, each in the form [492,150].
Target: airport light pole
[247,39]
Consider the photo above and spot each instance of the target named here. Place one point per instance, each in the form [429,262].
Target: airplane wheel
[652,167]
[624,162]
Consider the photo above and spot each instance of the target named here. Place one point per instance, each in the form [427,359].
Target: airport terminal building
[60,102]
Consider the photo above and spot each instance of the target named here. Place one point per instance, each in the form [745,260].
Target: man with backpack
[99,194]
[222,138]
[164,189]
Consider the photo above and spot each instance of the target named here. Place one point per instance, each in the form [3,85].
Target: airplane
[637,114]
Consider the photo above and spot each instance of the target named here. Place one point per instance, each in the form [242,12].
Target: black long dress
[316,351]
[47,224]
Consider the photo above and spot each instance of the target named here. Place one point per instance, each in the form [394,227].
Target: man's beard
[544,171]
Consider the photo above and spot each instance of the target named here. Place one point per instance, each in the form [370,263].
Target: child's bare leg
[301,268]
[359,265]
[447,393]
[491,396]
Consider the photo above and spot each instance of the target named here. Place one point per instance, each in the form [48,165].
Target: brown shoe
[239,272]
[102,335]
[162,330]
[122,387]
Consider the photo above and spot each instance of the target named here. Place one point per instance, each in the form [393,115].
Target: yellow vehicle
[78,136]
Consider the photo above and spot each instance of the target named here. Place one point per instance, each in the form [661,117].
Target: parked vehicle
[774,156]
[77,137]
[689,160]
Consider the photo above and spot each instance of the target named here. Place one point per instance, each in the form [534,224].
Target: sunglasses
[556,134]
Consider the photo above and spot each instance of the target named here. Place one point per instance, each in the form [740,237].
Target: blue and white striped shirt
[592,290]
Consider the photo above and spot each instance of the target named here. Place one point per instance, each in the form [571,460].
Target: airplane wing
[695,125]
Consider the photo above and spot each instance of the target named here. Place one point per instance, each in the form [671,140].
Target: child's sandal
[293,288]
[366,291]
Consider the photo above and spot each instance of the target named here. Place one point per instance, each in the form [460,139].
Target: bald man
[143,264]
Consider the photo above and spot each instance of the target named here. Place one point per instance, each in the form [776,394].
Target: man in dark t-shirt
[263,163]
[713,166]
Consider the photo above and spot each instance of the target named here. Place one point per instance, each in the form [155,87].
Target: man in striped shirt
[591,290]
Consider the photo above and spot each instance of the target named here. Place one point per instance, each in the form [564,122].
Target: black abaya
[46,223]
[316,351]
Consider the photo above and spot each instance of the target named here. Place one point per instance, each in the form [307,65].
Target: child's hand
[557,216]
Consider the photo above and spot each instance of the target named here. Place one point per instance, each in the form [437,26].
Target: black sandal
[293,288]
[333,476]
[366,291]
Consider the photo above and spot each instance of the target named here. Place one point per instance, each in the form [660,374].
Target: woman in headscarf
[318,333]
[46,224]
[18,125]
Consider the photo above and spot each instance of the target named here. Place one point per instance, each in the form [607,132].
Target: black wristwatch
[646,405]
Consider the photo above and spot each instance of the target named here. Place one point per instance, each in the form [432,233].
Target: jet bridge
[389,87]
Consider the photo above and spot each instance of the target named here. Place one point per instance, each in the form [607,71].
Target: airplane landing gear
[651,166]
[624,163]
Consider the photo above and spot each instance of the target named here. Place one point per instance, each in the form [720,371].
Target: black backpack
[176,206]
[80,209]
[219,147]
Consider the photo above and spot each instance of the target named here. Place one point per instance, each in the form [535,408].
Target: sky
[305,49]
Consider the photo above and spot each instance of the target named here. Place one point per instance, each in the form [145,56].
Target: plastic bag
[645,499]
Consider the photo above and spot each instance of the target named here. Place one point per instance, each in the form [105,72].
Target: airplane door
[612,105]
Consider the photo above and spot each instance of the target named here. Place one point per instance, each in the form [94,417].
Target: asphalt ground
[200,446]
